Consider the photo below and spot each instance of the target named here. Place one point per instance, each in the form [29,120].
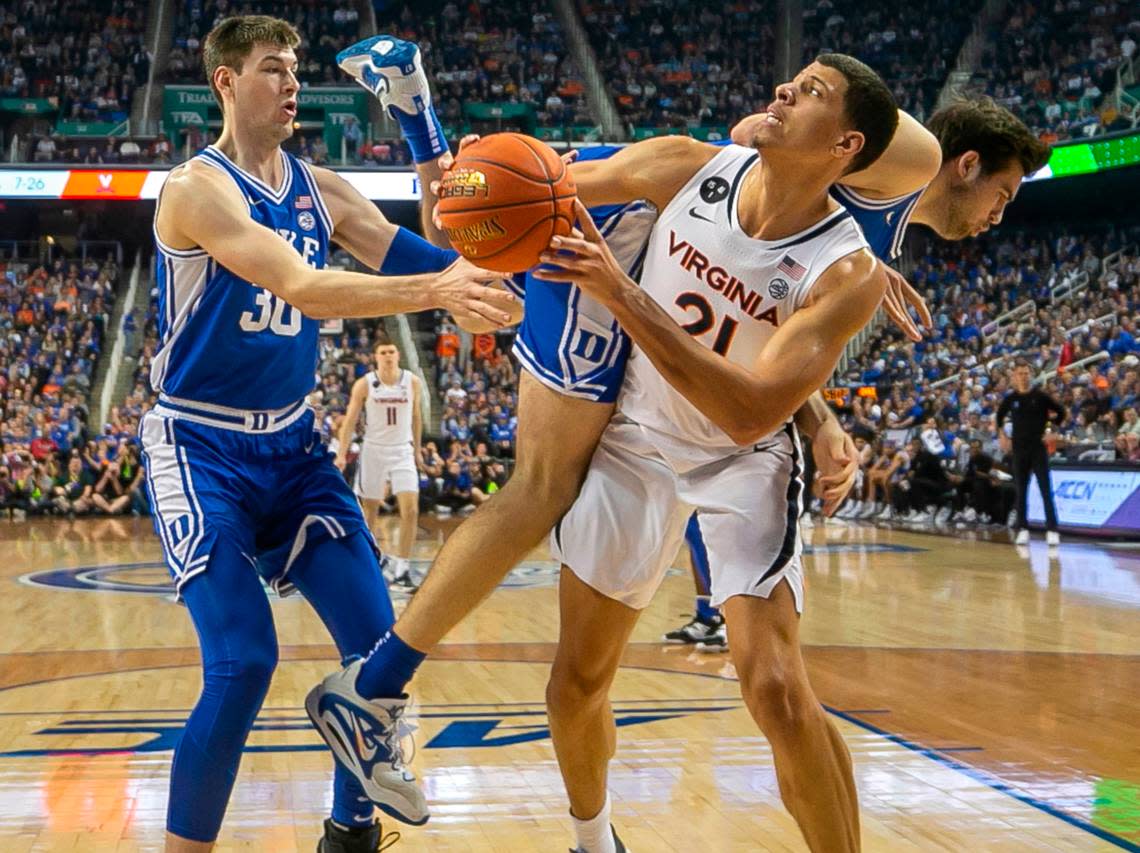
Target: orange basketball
[504,198]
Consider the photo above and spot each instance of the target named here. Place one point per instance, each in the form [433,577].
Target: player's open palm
[467,292]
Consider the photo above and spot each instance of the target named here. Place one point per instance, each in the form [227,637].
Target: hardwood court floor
[989,698]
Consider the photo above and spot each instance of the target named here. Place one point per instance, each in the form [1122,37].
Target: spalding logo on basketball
[503,200]
[714,190]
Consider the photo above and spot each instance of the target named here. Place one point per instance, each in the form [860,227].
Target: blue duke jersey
[230,448]
[225,341]
[573,345]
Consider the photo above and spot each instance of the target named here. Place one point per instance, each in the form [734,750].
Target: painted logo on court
[153,578]
[463,726]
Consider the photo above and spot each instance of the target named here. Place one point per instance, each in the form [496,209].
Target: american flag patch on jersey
[792,267]
[304,202]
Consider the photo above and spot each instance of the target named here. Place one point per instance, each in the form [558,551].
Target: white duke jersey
[388,410]
[727,289]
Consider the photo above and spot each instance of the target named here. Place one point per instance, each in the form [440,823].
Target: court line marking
[976,773]
[989,780]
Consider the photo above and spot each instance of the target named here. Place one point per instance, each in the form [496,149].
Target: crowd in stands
[510,51]
[53,324]
[478,399]
[49,147]
[325,30]
[913,45]
[672,63]
[88,54]
[1054,61]
[932,420]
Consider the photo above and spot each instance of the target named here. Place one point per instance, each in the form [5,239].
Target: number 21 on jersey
[705,320]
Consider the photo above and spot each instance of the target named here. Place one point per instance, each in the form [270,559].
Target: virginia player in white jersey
[240,483]
[390,398]
[746,301]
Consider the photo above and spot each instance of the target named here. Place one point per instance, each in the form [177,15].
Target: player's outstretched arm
[747,404]
[910,163]
[654,170]
[201,207]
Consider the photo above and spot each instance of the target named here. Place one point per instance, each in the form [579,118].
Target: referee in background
[1029,409]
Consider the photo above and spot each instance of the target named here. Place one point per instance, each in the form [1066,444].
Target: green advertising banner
[487,111]
[29,106]
[91,128]
[184,106]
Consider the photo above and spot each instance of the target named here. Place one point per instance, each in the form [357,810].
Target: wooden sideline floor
[988,695]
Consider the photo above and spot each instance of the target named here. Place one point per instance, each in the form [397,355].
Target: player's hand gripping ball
[503,199]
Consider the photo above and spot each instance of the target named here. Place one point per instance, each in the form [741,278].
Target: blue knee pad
[239,653]
[341,579]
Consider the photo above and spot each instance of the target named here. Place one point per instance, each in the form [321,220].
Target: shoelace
[388,839]
[398,733]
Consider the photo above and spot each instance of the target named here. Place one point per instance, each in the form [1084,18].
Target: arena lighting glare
[61,182]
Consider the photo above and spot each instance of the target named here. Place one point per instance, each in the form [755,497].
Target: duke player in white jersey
[390,399]
[240,483]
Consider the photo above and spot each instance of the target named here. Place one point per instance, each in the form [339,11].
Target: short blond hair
[231,41]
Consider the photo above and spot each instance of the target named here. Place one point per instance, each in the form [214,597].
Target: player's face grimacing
[975,201]
[807,114]
[387,356]
[265,90]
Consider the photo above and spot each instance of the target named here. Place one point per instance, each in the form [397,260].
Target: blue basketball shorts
[269,486]
[569,341]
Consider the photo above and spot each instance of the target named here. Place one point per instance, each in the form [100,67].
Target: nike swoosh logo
[256,201]
[890,216]
[696,214]
[365,746]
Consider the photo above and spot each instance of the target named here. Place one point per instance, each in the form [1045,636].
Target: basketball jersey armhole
[719,161]
[163,246]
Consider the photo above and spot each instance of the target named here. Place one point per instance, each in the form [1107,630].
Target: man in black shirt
[1029,409]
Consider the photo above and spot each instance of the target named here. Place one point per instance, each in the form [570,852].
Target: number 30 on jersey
[273,313]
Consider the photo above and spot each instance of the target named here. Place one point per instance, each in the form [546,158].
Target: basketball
[503,199]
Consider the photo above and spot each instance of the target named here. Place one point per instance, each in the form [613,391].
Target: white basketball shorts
[623,531]
[380,465]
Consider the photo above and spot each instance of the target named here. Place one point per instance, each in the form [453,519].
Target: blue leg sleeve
[239,652]
[341,579]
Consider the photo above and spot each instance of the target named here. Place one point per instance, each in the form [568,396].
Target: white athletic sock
[402,566]
[595,834]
